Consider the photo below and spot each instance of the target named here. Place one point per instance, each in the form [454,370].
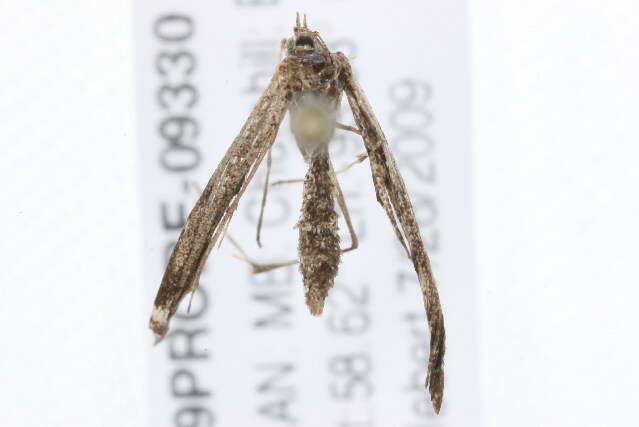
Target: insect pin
[308,83]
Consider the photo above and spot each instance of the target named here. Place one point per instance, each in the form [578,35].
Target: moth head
[306,44]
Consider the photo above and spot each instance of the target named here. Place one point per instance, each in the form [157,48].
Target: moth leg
[358,159]
[349,128]
[347,216]
[286,181]
[264,195]
[256,266]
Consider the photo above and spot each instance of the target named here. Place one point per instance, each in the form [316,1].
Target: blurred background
[533,108]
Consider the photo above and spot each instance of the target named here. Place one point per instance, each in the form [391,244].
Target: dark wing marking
[392,195]
[213,210]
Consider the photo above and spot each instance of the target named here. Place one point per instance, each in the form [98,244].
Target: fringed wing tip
[159,323]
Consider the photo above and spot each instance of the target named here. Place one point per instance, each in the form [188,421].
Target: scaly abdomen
[319,251]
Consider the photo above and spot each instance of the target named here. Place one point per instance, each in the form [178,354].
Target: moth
[308,83]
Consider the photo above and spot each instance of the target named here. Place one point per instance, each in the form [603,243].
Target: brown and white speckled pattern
[307,68]
[393,196]
[218,201]
[319,251]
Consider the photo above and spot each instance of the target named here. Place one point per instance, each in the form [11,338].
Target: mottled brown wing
[213,210]
[392,195]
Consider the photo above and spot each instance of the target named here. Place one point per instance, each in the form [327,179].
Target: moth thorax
[312,123]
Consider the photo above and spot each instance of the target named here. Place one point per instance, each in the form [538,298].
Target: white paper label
[249,353]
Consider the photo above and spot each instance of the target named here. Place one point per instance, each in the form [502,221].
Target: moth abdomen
[319,251]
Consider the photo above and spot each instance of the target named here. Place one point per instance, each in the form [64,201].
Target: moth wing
[393,196]
[215,206]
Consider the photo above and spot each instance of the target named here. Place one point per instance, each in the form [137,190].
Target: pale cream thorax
[313,119]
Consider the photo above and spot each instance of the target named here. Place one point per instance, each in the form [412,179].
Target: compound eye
[304,41]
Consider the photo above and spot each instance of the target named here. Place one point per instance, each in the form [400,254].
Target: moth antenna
[297,19]
[305,25]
